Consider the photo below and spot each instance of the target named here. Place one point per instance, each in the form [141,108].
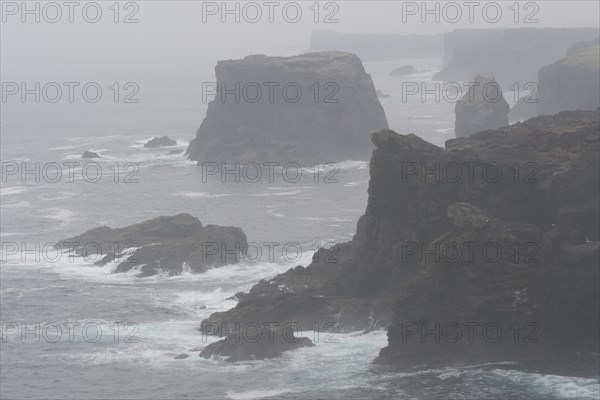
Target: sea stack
[316,107]
[482,108]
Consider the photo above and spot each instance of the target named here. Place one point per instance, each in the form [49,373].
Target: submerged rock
[170,245]
[316,107]
[90,154]
[482,108]
[182,356]
[255,343]
[156,142]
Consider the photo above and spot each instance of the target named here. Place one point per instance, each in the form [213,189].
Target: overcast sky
[172,33]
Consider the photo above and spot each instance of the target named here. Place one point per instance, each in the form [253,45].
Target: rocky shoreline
[545,197]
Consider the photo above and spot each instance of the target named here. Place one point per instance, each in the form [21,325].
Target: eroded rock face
[156,142]
[482,108]
[255,344]
[572,83]
[316,107]
[547,195]
[541,290]
[169,245]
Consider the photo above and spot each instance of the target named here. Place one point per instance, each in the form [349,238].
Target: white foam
[256,394]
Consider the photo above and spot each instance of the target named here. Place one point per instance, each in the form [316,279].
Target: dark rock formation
[524,109]
[404,70]
[337,106]
[255,343]
[90,154]
[545,202]
[156,142]
[542,288]
[572,83]
[482,108]
[373,47]
[165,244]
[515,56]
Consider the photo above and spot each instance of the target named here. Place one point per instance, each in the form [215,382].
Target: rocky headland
[531,189]
[573,82]
[512,55]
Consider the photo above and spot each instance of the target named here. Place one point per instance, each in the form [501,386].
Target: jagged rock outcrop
[571,83]
[314,107]
[545,201]
[156,142]
[255,343]
[514,57]
[540,292]
[482,108]
[169,245]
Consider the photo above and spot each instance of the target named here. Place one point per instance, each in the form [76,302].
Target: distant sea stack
[316,107]
[378,47]
[482,108]
[512,55]
[166,244]
[573,82]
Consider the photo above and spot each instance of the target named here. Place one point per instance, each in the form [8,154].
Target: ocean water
[159,316]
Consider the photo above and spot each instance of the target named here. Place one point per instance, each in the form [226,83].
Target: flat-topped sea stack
[316,107]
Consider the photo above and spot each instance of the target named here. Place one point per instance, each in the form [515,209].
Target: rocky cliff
[534,291]
[310,108]
[515,56]
[482,108]
[573,82]
[530,189]
[161,245]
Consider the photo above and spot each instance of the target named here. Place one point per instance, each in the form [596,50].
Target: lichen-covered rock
[482,108]
[316,107]
[571,83]
[169,245]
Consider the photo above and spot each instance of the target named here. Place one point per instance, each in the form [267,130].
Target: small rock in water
[164,141]
[181,356]
[90,154]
